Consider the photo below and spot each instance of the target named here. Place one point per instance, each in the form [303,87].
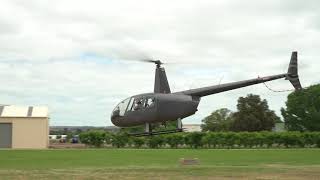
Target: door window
[139,103]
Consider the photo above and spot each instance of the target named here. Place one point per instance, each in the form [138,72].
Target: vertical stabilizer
[292,74]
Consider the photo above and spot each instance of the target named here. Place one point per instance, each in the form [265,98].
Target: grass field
[159,164]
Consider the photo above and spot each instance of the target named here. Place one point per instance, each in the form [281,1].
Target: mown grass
[159,164]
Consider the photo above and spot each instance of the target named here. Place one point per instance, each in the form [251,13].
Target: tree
[302,112]
[253,115]
[219,120]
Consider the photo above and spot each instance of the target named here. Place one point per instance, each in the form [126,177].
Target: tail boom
[205,91]
[291,75]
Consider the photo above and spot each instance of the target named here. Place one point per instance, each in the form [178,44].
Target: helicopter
[162,105]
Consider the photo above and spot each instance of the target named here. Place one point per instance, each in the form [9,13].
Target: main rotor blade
[152,61]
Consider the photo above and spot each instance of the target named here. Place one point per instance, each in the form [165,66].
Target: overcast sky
[76,56]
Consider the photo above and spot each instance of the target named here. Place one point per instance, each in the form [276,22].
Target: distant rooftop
[23,111]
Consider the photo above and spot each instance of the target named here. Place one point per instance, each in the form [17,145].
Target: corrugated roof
[23,111]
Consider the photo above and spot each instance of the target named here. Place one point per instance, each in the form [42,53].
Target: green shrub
[263,139]
[93,138]
[155,141]
[138,142]
[174,140]
[194,139]
[119,140]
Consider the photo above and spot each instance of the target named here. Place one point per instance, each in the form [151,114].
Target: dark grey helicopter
[162,105]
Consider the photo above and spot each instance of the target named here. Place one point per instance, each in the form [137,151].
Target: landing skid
[156,132]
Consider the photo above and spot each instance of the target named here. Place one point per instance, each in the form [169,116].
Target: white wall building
[192,127]
[24,127]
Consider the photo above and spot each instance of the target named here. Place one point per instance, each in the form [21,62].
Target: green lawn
[159,164]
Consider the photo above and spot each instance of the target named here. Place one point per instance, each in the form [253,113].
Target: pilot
[138,105]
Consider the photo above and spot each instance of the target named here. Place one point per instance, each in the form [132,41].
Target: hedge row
[205,140]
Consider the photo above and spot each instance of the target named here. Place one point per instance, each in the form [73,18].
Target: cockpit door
[141,105]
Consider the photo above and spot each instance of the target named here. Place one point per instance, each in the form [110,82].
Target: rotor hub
[158,63]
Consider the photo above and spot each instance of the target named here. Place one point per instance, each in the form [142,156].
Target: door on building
[5,135]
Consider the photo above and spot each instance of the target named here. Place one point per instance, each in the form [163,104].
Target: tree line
[264,139]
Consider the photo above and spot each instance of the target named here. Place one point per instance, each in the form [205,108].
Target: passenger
[150,103]
[140,104]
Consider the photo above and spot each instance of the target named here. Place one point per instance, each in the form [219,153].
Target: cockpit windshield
[121,108]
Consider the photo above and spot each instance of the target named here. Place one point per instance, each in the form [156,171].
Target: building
[192,127]
[24,127]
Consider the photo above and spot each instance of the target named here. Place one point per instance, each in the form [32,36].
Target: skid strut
[148,128]
[179,124]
